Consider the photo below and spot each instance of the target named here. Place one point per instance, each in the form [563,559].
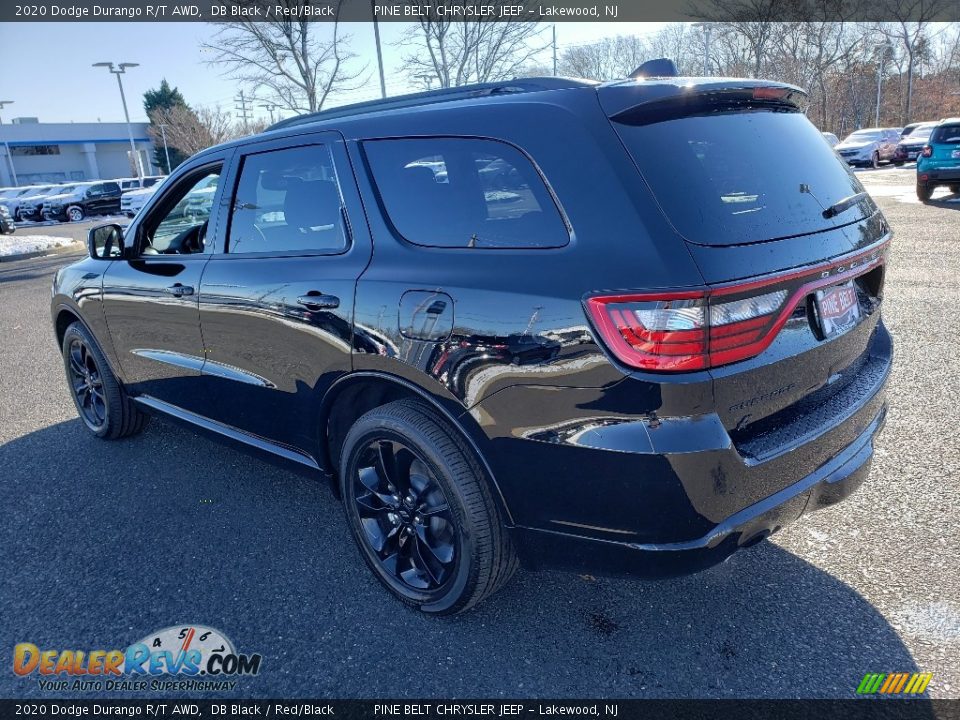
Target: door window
[288,201]
[178,226]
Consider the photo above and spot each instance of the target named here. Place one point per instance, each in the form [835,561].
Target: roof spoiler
[660,67]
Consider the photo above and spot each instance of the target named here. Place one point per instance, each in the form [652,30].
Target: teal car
[939,161]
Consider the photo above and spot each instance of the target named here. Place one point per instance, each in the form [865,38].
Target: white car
[133,200]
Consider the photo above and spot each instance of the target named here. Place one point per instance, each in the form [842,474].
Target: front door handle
[178,290]
[318,301]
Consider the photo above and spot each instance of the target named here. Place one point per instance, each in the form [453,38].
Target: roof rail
[463,92]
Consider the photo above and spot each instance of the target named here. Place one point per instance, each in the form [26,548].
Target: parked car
[92,198]
[642,368]
[910,147]
[12,197]
[7,226]
[939,161]
[28,206]
[832,140]
[869,147]
[908,129]
[132,200]
[138,184]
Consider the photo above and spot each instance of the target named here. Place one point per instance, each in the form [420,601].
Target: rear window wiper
[844,205]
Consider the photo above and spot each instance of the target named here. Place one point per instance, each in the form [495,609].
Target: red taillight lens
[684,331]
[927,151]
[695,330]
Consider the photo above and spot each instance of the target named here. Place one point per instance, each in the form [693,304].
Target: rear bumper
[619,492]
[932,177]
[828,485]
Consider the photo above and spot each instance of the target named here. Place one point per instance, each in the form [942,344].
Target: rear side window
[288,201]
[464,193]
[742,176]
[946,135]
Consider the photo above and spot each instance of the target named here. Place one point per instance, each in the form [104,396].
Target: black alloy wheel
[101,401]
[420,508]
[405,516]
[86,384]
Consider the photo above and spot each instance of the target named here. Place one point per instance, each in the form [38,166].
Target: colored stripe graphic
[894,683]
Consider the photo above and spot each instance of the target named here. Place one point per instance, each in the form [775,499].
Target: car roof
[619,95]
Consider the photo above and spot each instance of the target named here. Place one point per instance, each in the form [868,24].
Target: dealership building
[58,152]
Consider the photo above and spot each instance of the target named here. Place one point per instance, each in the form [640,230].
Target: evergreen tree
[163,98]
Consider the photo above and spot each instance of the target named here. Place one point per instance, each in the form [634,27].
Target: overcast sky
[47,73]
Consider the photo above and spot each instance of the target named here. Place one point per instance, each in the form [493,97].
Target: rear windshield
[742,176]
[946,135]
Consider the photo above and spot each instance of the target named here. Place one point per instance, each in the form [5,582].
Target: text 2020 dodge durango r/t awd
[593,326]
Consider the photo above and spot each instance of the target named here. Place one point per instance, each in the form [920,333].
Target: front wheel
[101,401]
[420,509]
[75,214]
[924,192]
[955,189]
[875,161]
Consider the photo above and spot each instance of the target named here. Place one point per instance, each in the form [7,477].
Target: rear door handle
[318,301]
[178,290]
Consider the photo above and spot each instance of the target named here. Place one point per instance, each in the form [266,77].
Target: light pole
[376,35]
[120,69]
[6,146]
[166,152]
[883,59]
[705,26]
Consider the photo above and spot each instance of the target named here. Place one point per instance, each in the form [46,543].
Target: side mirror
[105,242]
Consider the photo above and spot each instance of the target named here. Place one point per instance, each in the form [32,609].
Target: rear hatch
[790,247]
[945,144]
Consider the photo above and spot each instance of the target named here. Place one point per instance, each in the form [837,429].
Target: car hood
[853,146]
[140,192]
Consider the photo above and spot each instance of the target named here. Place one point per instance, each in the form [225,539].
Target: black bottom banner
[441,709]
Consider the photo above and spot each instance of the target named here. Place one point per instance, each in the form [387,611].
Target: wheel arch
[359,392]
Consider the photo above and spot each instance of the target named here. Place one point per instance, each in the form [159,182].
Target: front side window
[465,193]
[179,225]
[288,201]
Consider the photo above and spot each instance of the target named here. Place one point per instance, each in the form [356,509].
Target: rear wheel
[420,510]
[955,189]
[101,401]
[924,192]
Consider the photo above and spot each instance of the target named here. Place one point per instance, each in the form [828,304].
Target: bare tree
[193,130]
[453,52]
[299,63]
[910,28]
[610,58]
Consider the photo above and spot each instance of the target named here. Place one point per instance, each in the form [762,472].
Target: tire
[924,192]
[457,550]
[899,163]
[74,214]
[103,405]
[955,189]
[875,161]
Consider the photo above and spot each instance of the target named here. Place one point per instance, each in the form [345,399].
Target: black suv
[591,326]
[98,198]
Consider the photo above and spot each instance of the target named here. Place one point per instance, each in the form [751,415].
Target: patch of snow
[21,244]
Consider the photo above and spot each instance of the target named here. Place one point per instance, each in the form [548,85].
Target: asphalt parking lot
[103,543]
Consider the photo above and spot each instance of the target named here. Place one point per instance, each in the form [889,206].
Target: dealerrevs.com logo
[180,657]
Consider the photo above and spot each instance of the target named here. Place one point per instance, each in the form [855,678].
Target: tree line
[302,66]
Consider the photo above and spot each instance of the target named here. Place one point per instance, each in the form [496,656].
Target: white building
[57,152]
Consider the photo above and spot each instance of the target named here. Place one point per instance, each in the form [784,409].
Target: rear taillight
[695,330]
[927,151]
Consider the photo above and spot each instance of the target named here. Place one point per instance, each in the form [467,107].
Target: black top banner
[492,11]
